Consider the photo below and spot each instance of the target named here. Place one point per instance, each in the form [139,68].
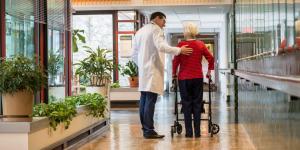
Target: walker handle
[209,78]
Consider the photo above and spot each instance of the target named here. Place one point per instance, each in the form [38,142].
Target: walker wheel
[172,131]
[179,128]
[215,128]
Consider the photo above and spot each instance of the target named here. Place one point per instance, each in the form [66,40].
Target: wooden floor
[125,131]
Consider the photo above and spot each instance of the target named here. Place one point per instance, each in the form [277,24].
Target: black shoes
[188,136]
[153,135]
[191,136]
[197,136]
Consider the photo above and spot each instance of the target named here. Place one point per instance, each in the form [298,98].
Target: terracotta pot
[133,81]
[18,104]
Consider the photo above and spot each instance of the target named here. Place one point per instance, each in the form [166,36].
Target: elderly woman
[190,78]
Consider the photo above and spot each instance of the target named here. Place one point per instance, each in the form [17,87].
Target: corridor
[125,132]
[259,124]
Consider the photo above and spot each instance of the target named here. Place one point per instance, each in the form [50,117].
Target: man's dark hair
[155,14]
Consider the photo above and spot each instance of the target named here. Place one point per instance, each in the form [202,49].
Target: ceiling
[133,3]
[208,14]
[205,16]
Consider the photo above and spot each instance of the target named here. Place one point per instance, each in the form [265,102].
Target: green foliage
[130,69]
[52,98]
[21,73]
[55,63]
[57,112]
[115,85]
[96,103]
[97,68]
[77,36]
[64,111]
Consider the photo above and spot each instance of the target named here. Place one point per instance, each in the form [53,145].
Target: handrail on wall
[257,55]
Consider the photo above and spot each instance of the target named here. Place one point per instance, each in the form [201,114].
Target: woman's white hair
[190,28]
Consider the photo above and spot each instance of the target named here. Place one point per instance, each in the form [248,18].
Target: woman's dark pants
[191,92]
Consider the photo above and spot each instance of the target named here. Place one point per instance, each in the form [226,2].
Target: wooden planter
[18,104]
[133,81]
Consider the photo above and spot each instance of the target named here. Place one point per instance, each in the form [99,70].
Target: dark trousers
[191,92]
[147,106]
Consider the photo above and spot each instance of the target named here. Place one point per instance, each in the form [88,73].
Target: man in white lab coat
[149,50]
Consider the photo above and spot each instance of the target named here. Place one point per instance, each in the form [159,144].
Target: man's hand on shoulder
[185,50]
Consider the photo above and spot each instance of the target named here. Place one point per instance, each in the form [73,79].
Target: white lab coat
[149,48]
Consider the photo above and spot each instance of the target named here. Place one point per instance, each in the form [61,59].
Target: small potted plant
[131,70]
[20,78]
[97,69]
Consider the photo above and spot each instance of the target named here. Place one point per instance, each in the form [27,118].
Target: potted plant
[97,69]
[20,78]
[55,66]
[131,70]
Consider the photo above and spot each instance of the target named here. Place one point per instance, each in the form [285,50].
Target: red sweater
[190,65]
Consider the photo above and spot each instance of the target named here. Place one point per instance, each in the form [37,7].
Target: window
[19,28]
[97,34]
[127,25]
[56,49]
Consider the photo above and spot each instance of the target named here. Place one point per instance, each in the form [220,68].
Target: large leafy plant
[55,64]
[130,69]
[21,73]
[97,67]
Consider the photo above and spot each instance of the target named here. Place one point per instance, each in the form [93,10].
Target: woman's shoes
[198,136]
[188,136]
[191,136]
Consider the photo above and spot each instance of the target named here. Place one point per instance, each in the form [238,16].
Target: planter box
[36,134]
[18,104]
[124,94]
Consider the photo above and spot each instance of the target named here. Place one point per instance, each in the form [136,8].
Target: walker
[177,127]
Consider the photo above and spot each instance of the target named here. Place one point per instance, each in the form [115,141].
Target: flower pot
[97,89]
[133,81]
[18,104]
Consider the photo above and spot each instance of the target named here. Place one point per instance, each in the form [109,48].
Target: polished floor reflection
[271,118]
[125,132]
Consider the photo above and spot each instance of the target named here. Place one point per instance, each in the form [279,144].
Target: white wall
[223,57]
